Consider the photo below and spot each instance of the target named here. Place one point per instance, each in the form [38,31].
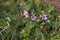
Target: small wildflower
[33,17]
[43,16]
[26,14]
[48,21]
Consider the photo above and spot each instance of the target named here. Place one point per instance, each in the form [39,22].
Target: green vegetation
[28,20]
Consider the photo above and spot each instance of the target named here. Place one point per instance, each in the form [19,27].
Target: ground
[55,3]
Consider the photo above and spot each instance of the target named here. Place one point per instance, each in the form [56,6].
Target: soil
[55,3]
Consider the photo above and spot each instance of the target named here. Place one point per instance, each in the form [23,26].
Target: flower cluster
[33,17]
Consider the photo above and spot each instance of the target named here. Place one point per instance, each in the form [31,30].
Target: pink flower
[43,16]
[33,17]
[26,14]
